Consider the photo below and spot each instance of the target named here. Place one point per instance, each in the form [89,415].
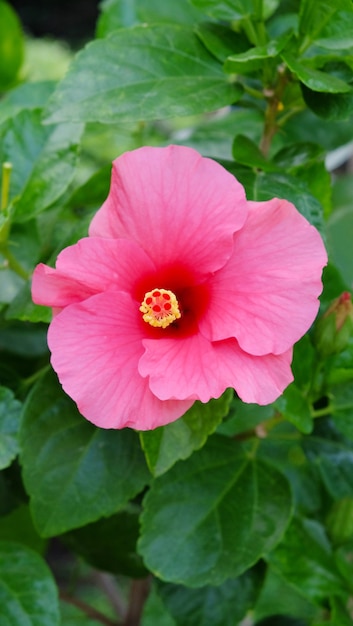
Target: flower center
[160,308]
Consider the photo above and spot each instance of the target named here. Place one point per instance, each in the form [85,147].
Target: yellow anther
[160,308]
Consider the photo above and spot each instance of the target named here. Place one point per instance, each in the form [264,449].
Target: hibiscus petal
[178,205]
[96,346]
[178,369]
[91,266]
[267,294]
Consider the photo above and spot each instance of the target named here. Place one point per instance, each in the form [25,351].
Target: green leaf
[332,106]
[213,516]
[294,407]
[142,73]
[334,460]
[228,10]
[253,59]
[304,558]
[23,308]
[10,411]
[285,186]
[117,14]
[72,616]
[26,96]
[11,45]
[342,408]
[316,80]
[224,605]
[74,473]
[17,525]
[299,155]
[43,159]
[28,595]
[313,15]
[244,417]
[166,445]
[339,229]
[220,40]
[246,152]
[155,612]
[110,544]
[338,32]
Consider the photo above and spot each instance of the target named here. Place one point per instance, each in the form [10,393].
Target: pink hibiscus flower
[182,289]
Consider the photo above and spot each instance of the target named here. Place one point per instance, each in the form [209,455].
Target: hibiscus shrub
[176,449]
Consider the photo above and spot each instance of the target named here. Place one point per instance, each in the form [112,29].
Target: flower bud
[335,327]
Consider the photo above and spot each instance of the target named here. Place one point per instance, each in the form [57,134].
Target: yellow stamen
[160,308]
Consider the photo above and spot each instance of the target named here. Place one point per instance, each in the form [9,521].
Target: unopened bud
[335,327]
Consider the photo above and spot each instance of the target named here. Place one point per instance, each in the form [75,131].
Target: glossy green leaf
[224,605]
[10,412]
[228,10]
[74,473]
[338,32]
[294,407]
[213,516]
[305,559]
[17,525]
[11,45]
[166,445]
[316,80]
[334,460]
[244,417]
[313,16]
[26,96]
[332,106]
[220,40]
[28,595]
[339,229]
[110,544]
[23,308]
[43,159]
[117,14]
[301,154]
[246,152]
[142,73]
[342,407]
[254,58]
[274,185]
[155,612]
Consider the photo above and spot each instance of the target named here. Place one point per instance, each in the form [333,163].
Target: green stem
[27,382]
[5,188]
[12,262]
[327,410]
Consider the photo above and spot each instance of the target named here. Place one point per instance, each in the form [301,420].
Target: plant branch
[138,595]
[87,609]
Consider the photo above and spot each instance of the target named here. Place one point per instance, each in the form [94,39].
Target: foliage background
[235,514]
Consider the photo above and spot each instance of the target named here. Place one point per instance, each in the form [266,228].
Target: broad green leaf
[313,16]
[224,605]
[305,559]
[303,363]
[228,10]
[220,40]
[339,521]
[339,229]
[43,159]
[155,612]
[338,32]
[23,308]
[244,417]
[11,45]
[248,153]
[10,411]
[213,516]
[17,525]
[110,544]
[342,407]
[334,460]
[270,185]
[298,155]
[26,96]
[332,106]
[294,407]
[254,58]
[117,14]
[166,445]
[316,80]
[74,473]
[142,73]
[28,595]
